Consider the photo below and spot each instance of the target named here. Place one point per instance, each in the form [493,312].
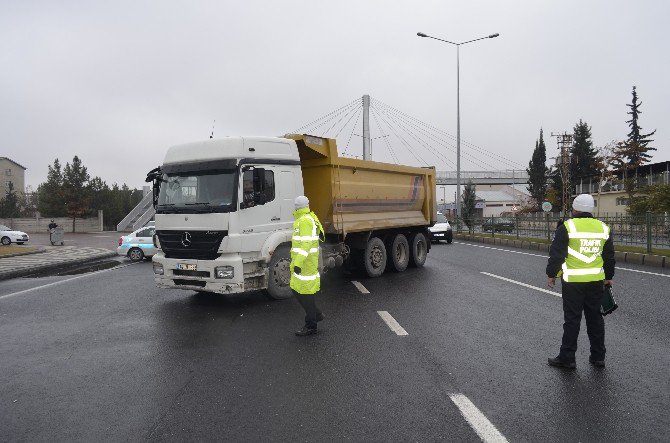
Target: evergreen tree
[75,190]
[537,172]
[469,202]
[637,145]
[50,201]
[583,157]
[9,206]
[555,193]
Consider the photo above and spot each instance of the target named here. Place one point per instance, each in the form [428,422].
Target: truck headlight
[158,269]
[224,272]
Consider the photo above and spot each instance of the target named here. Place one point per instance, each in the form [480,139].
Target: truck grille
[198,245]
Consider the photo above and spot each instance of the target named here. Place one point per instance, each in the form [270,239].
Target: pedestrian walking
[305,278]
[583,253]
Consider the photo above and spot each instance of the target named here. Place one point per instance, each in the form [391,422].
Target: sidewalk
[52,258]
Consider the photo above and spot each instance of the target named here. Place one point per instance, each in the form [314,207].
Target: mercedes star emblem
[186,239]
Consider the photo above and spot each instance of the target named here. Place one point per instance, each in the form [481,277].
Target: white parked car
[9,236]
[139,244]
[441,230]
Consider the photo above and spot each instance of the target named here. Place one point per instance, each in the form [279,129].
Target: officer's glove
[297,270]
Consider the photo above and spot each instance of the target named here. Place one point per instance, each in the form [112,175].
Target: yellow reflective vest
[584,262]
[305,252]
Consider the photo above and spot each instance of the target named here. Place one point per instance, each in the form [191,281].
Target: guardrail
[647,231]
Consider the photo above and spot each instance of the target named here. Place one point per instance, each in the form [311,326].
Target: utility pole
[366,128]
[564,144]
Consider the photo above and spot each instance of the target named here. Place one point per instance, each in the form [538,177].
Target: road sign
[546,206]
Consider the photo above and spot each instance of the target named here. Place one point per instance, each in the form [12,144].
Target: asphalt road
[107,356]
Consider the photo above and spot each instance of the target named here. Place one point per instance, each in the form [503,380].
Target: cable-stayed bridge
[370,129]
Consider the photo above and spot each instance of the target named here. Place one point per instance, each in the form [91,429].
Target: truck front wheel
[398,253]
[279,278]
[418,247]
[374,258]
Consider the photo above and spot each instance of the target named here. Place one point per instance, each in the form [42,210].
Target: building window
[8,172]
[7,182]
[622,201]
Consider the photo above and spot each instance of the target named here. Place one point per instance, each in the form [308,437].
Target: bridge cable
[308,125]
[402,140]
[472,145]
[404,126]
[346,147]
[445,143]
[388,145]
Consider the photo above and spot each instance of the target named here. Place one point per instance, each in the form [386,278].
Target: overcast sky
[117,83]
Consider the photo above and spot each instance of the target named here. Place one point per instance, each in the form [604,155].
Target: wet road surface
[107,356]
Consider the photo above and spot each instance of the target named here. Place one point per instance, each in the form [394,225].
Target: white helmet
[583,203]
[301,202]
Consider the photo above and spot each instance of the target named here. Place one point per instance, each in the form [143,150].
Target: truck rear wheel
[279,274]
[418,247]
[374,258]
[398,253]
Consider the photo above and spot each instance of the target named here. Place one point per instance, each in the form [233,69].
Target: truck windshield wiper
[166,204]
[197,203]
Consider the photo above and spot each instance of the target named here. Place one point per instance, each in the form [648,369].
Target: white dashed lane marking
[392,323]
[362,289]
[525,285]
[478,421]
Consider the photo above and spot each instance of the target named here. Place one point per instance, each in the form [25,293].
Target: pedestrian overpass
[508,177]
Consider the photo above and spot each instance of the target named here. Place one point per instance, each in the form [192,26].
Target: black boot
[557,362]
[306,331]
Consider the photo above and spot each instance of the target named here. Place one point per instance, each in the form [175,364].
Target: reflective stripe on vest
[585,245]
[306,277]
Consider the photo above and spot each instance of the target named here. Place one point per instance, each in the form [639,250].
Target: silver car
[138,245]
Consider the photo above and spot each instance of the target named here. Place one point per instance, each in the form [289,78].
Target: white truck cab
[222,208]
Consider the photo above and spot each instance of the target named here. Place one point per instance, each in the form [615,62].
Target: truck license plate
[185,267]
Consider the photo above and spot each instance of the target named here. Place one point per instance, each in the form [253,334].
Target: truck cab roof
[262,148]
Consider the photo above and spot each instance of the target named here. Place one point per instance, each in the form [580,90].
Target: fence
[647,231]
[39,224]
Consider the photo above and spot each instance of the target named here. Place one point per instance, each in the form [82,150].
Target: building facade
[11,172]
[610,196]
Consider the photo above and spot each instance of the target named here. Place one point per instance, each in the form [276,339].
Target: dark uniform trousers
[308,303]
[586,297]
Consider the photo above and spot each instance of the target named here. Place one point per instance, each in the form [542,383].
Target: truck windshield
[196,192]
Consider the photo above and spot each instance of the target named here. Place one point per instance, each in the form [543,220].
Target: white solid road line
[62,281]
[478,421]
[500,249]
[642,272]
[391,323]
[546,256]
[360,287]
[522,284]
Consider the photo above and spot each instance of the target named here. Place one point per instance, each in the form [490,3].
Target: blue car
[138,245]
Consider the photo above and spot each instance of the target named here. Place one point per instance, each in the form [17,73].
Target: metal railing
[138,212]
[649,231]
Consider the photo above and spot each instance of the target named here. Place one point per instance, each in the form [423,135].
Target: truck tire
[418,247]
[397,251]
[279,274]
[374,258]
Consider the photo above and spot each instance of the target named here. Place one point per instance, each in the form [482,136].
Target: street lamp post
[458,111]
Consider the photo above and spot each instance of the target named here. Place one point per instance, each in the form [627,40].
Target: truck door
[260,205]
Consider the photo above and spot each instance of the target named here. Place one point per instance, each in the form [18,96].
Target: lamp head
[494,35]
[421,34]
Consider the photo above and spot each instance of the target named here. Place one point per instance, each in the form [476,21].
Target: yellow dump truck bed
[350,195]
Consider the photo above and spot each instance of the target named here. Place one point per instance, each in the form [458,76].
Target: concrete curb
[658,261]
[56,267]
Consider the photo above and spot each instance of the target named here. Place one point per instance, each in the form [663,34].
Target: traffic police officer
[583,252]
[305,278]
